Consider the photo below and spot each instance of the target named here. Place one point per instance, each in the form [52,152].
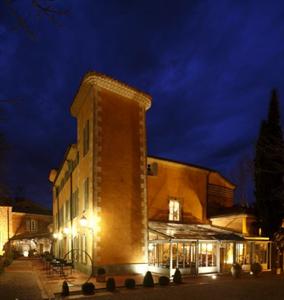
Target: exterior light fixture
[83,221]
[66,230]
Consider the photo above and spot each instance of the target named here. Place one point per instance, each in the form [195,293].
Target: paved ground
[242,289]
[28,280]
[19,282]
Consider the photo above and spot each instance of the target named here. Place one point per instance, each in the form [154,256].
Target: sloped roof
[194,232]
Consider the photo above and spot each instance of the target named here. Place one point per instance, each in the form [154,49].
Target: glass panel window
[84,248]
[189,255]
[243,253]
[207,254]
[174,210]
[33,225]
[163,255]
[260,253]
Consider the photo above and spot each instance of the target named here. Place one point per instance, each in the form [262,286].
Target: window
[33,225]
[86,194]
[84,248]
[67,210]
[86,138]
[174,210]
[28,225]
[75,204]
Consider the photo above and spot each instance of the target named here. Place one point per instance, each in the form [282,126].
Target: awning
[173,231]
[26,236]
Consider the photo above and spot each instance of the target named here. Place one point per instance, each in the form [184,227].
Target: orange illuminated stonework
[24,228]
[139,212]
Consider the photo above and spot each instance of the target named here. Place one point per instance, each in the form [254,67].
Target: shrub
[148,280]
[101,271]
[65,289]
[110,284]
[256,269]
[7,262]
[236,270]
[177,277]
[101,275]
[88,288]
[164,280]
[130,283]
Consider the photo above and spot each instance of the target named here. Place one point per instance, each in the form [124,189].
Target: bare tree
[44,8]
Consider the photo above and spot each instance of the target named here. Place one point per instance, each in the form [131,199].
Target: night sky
[209,66]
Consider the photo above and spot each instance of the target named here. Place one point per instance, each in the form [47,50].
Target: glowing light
[26,253]
[66,230]
[151,247]
[214,276]
[209,247]
[83,221]
[55,235]
[140,269]
[251,273]
[60,236]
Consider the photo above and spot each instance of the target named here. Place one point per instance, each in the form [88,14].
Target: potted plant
[110,284]
[256,269]
[88,288]
[148,280]
[236,270]
[177,278]
[130,283]
[65,289]
[101,275]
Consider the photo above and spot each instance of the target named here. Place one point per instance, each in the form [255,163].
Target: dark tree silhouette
[269,170]
[41,8]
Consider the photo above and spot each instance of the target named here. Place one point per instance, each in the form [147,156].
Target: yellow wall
[241,223]
[5,226]
[181,182]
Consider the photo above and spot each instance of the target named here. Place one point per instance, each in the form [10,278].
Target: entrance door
[208,261]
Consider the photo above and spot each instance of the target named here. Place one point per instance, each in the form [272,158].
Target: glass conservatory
[202,249]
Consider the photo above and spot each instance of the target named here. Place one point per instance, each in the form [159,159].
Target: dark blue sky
[209,65]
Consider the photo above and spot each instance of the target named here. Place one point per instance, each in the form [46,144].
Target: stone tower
[115,114]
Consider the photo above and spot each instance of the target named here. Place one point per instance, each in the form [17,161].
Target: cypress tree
[269,170]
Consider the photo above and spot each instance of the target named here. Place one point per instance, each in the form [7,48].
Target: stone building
[23,227]
[129,212]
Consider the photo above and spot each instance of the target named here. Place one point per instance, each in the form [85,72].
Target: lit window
[174,210]
[33,225]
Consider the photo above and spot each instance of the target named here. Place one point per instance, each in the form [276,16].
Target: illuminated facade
[24,228]
[131,212]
